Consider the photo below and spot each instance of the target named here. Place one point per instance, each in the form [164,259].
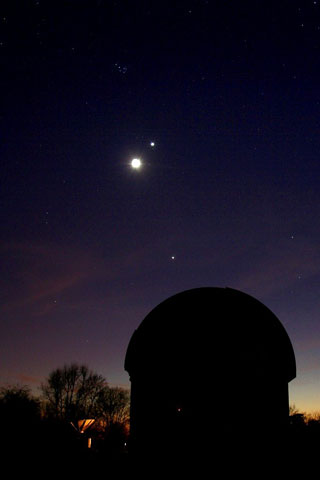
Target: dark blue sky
[229,93]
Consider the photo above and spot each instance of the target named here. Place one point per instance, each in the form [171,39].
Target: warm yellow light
[84,424]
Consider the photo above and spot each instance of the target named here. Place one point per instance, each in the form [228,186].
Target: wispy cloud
[280,268]
[37,274]
[28,379]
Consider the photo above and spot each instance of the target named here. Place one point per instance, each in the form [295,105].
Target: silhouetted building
[209,371]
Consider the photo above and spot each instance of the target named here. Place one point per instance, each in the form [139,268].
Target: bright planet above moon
[136,163]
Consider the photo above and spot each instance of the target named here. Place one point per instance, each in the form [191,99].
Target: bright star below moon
[136,163]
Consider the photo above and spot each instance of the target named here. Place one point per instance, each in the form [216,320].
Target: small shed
[208,367]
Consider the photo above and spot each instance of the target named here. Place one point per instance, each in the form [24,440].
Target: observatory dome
[211,328]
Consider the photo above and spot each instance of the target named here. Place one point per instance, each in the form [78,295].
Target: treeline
[303,419]
[75,404]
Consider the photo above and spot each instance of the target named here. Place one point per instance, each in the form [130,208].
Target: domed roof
[211,329]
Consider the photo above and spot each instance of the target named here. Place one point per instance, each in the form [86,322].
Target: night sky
[228,195]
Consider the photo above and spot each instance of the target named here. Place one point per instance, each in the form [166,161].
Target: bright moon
[136,163]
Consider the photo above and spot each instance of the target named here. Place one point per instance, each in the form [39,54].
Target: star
[152,144]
